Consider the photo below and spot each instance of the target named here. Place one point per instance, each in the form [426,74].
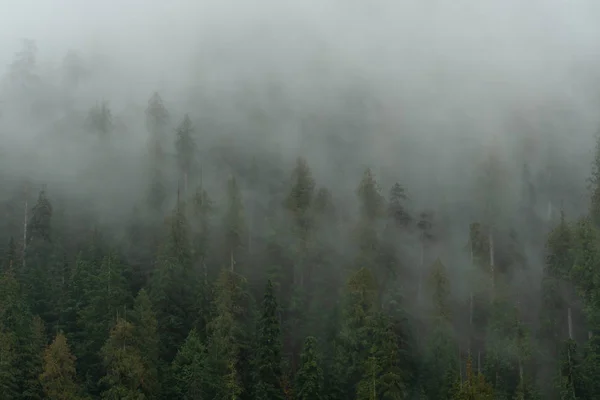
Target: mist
[425,93]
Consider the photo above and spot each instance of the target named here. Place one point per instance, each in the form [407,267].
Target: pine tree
[474,387]
[172,287]
[371,200]
[228,349]
[126,375]
[570,383]
[309,378]
[594,186]
[186,148]
[100,120]
[157,118]
[189,370]
[58,376]
[396,210]
[440,358]
[268,352]
[9,370]
[147,341]
[360,302]
[234,224]
[42,274]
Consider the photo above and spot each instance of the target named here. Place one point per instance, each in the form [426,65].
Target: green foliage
[172,286]
[58,376]
[309,378]
[126,376]
[185,145]
[189,370]
[268,352]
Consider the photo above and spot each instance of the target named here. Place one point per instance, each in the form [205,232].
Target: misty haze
[308,200]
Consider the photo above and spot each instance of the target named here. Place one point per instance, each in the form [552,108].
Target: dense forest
[240,245]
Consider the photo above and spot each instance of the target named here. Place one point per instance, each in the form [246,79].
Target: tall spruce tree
[268,351]
[59,376]
[189,371]
[309,378]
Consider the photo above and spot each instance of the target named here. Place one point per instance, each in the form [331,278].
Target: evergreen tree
[100,120]
[234,224]
[396,210]
[9,370]
[594,186]
[147,341]
[268,352]
[157,118]
[189,370]
[172,288]
[309,378]
[58,376]
[186,148]
[474,387]
[228,350]
[126,376]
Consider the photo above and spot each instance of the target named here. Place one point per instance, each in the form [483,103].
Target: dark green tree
[268,351]
[309,378]
[173,287]
[189,370]
[59,377]
[186,149]
[126,376]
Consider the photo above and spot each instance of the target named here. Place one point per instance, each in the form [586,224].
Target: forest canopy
[241,226]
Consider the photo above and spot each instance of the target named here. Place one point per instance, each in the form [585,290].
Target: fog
[420,91]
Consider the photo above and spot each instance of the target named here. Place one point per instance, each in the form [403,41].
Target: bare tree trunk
[549,210]
[232,261]
[479,362]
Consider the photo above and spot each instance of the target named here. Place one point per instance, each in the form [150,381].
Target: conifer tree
[186,148]
[594,186]
[9,369]
[58,376]
[234,224]
[172,288]
[309,378]
[189,370]
[371,200]
[268,352]
[228,349]
[360,301]
[31,351]
[100,120]
[157,118]
[440,358]
[126,376]
[147,341]
[396,210]
[474,387]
